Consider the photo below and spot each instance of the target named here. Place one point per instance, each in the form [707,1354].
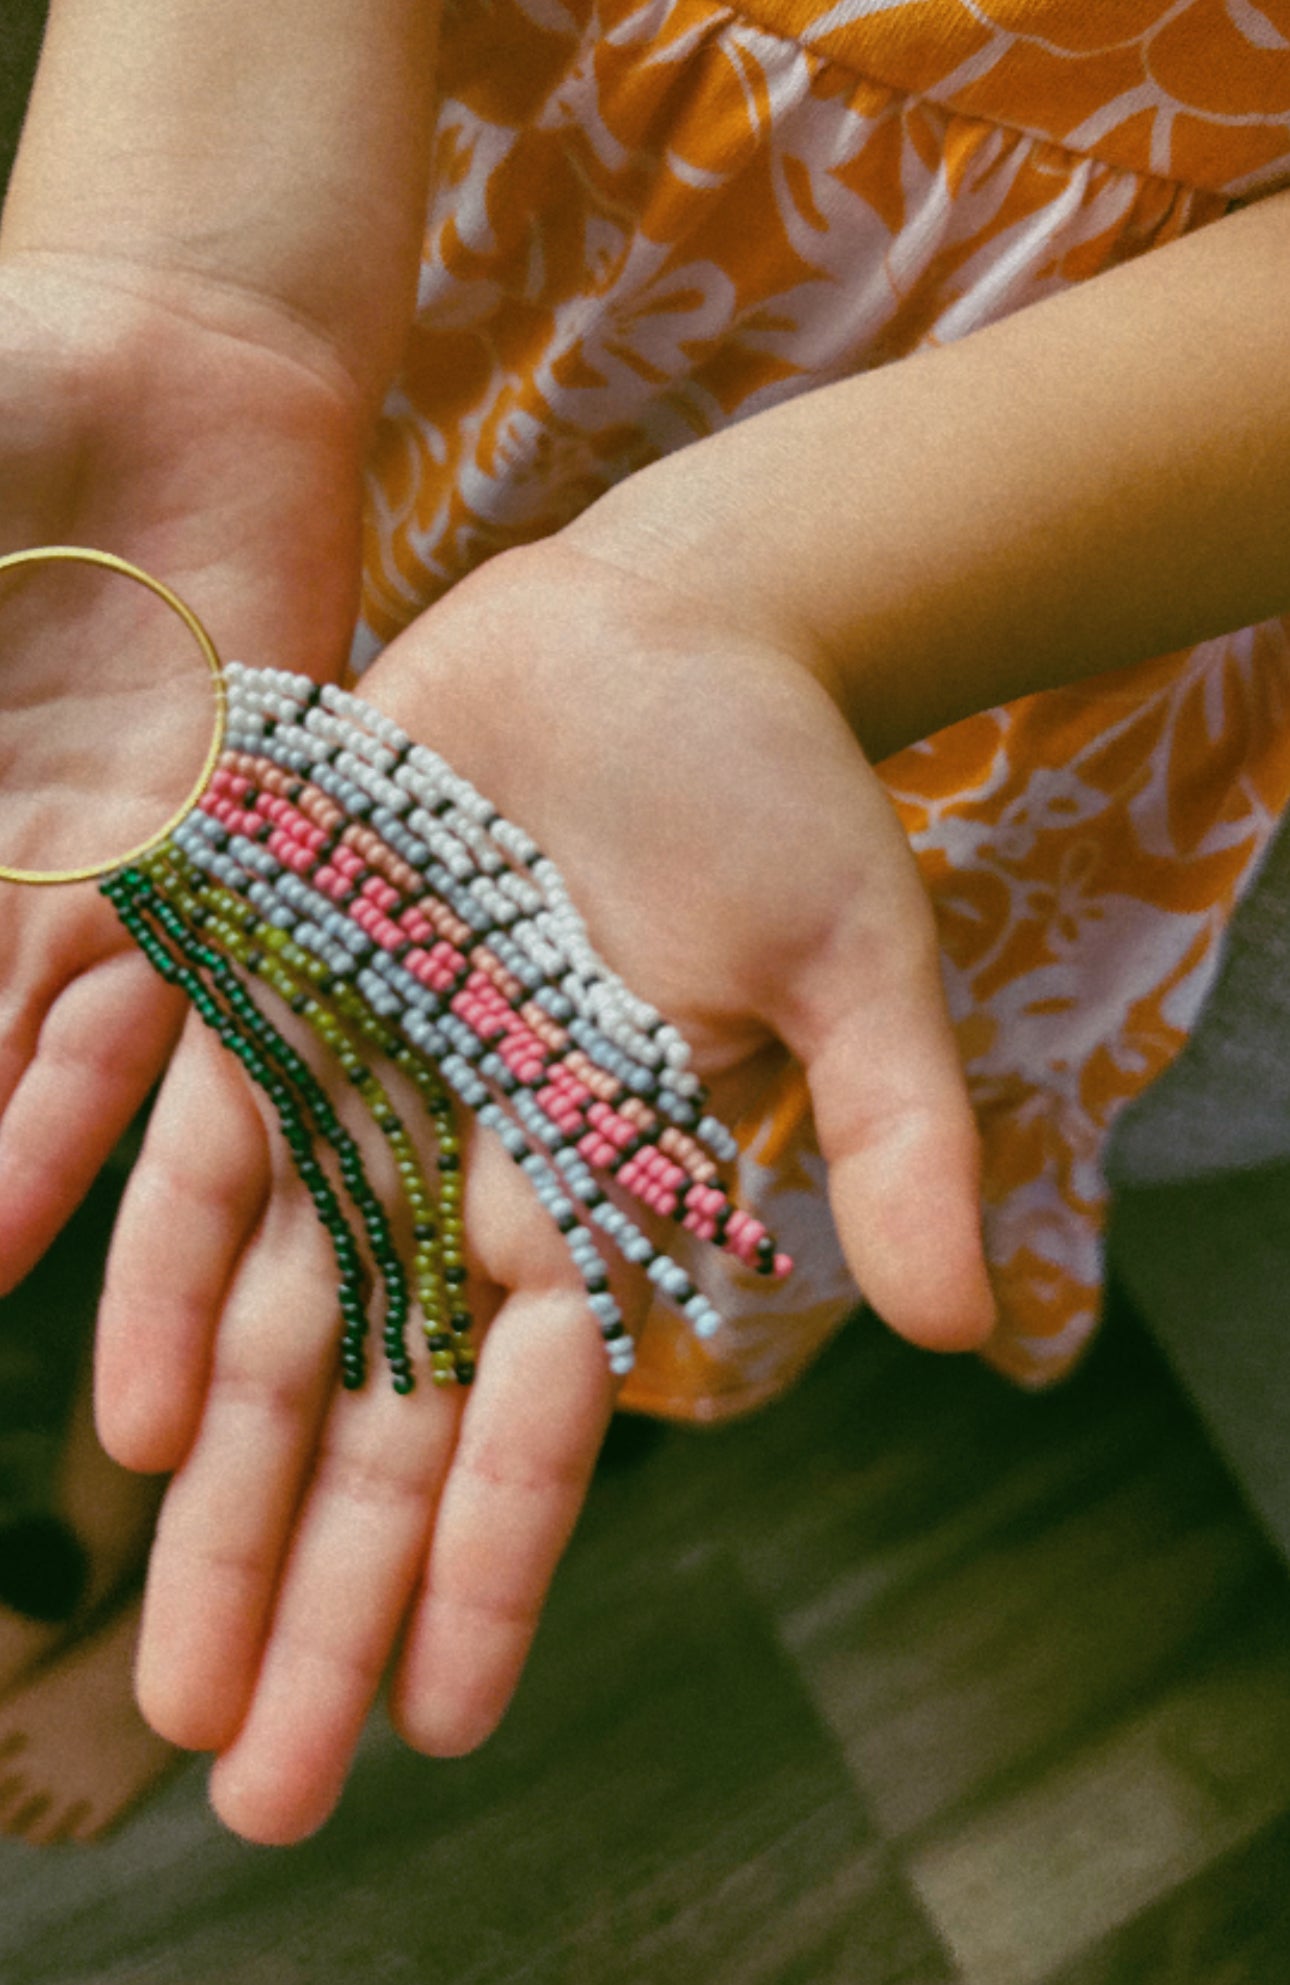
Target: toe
[12,1786]
[28,1815]
[68,1820]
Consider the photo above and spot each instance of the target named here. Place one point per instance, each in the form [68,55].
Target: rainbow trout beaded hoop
[325,855]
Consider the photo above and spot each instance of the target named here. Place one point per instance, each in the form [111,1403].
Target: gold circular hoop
[82,555]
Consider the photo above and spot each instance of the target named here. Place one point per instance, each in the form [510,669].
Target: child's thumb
[869,1023]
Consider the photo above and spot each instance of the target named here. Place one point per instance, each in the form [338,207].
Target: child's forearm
[1101,478]
[276,150]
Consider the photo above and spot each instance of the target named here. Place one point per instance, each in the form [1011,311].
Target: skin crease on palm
[308,1535]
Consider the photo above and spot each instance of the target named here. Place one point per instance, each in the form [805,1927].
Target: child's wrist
[687,540]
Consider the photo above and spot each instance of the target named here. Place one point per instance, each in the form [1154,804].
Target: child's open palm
[738,863]
[170,424]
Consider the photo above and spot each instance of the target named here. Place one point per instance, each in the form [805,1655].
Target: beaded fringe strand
[390,907]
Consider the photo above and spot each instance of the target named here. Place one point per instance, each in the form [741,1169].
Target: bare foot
[75,1754]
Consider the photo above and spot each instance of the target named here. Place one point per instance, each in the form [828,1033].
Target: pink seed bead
[331,884]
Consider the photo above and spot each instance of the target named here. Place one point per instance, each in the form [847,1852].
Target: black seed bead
[460,1320]
[454,1276]
[403,1382]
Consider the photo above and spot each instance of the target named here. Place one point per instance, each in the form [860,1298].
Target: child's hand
[179,426]
[738,863]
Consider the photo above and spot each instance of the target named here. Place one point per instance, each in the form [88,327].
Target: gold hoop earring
[108,561]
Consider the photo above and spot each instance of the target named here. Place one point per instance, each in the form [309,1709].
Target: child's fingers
[194,1195]
[528,1445]
[486,1499]
[229,1513]
[97,1051]
[867,1018]
[357,1548]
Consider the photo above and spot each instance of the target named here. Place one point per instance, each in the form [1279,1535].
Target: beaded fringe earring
[392,909]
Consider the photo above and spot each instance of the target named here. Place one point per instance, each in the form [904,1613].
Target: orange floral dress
[650,217]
